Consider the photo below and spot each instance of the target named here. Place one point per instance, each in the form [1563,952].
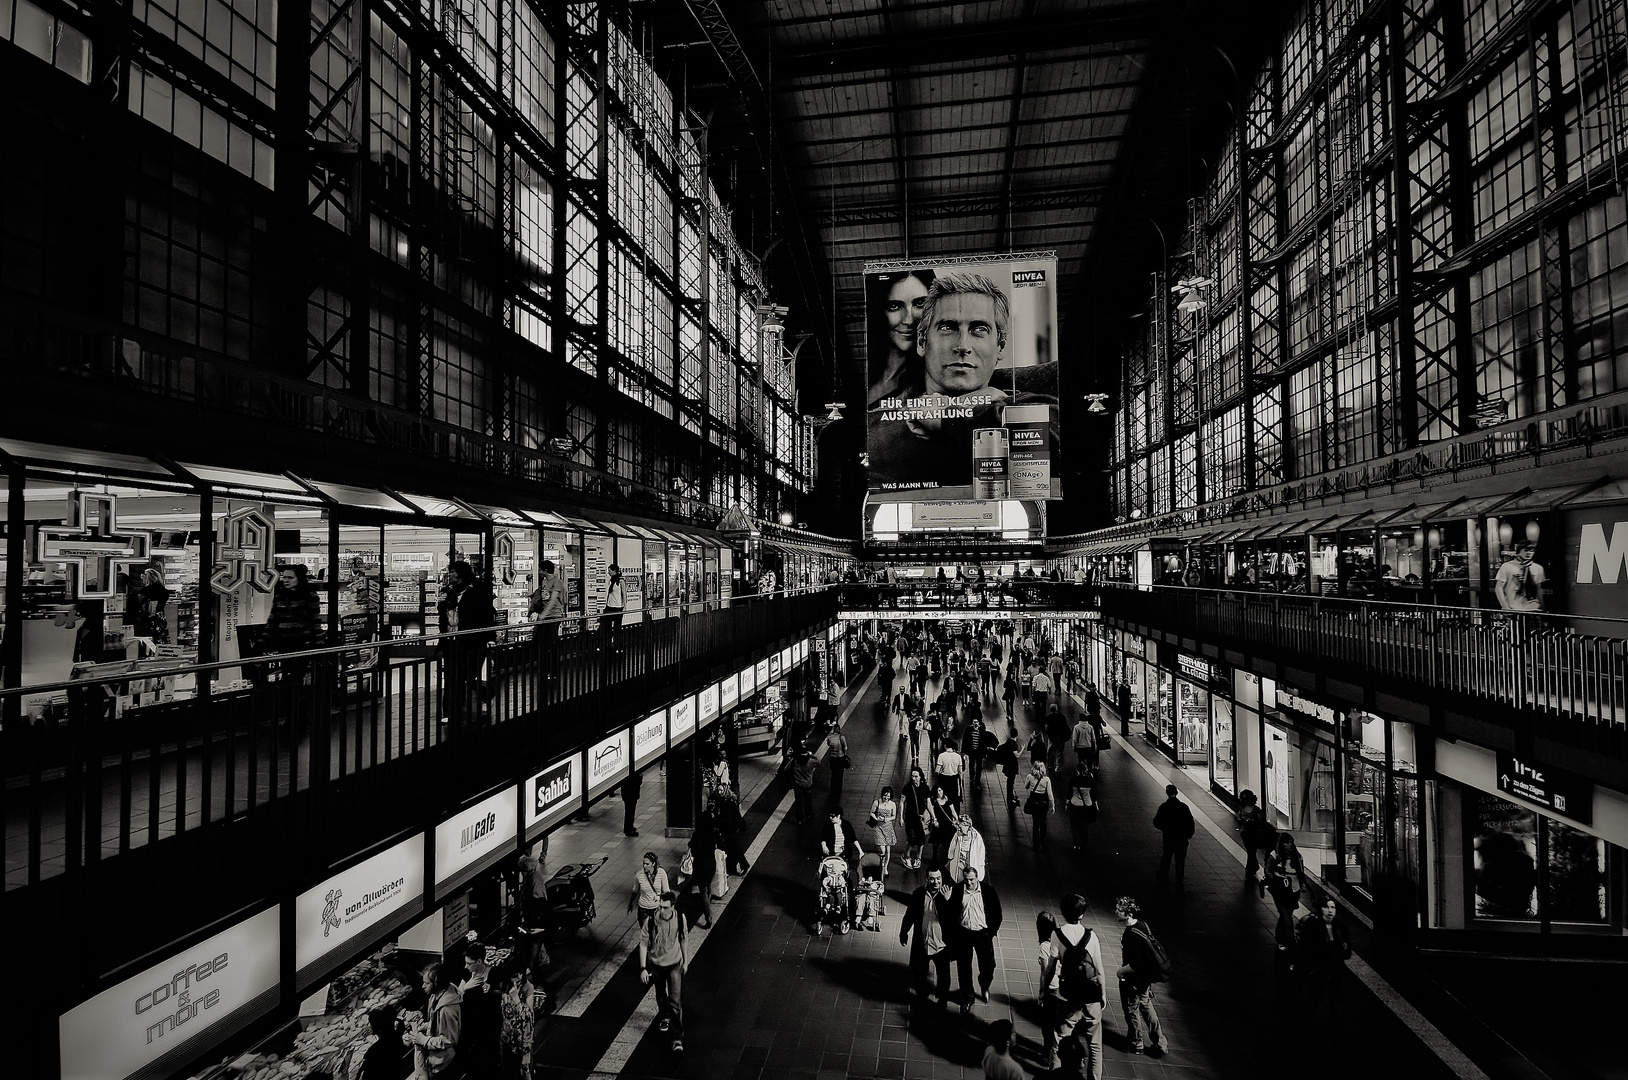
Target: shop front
[1380,826]
[1300,778]
[1506,859]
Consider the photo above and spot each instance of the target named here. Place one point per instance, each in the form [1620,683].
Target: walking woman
[1038,802]
[648,886]
[918,817]
[1285,877]
[883,811]
[836,751]
[1082,805]
[942,829]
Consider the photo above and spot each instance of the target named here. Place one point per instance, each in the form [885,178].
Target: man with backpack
[1072,994]
[1175,823]
[1146,963]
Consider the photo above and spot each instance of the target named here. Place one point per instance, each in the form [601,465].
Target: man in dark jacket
[1175,822]
[1137,975]
[975,919]
[837,837]
[1324,946]
[631,787]
[927,915]
[802,782]
[469,605]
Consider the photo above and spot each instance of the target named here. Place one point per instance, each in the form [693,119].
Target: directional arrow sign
[1546,786]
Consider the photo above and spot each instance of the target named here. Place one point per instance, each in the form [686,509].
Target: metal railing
[1569,674]
[1015,594]
[328,751]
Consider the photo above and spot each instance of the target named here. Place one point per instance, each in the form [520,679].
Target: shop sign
[349,904]
[762,673]
[1596,543]
[802,650]
[608,763]
[1289,698]
[475,836]
[729,693]
[1546,786]
[777,664]
[793,655]
[748,677]
[553,794]
[1193,667]
[707,705]
[455,922]
[1133,645]
[680,720]
[649,738]
[150,1024]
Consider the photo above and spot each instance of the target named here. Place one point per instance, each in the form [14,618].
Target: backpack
[1079,979]
[1162,967]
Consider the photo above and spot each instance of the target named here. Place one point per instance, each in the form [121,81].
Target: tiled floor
[768,1000]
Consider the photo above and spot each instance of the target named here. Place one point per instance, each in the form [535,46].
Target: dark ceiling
[848,131]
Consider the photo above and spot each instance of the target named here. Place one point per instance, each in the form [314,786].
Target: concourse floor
[767,999]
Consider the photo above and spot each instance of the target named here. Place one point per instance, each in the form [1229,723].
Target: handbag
[871,821]
[1038,802]
[686,865]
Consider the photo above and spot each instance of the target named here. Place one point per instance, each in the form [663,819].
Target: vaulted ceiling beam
[1083,29]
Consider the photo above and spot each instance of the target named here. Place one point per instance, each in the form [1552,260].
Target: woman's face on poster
[905,301]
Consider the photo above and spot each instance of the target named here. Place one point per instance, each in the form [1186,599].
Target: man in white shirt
[548,608]
[1062,1017]
[1041,691]
[948,769]
[1519,585]
[977,910]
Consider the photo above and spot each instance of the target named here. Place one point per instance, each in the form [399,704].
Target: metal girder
[953,44]
[1014,110]
[945,155]
[1058,198]
[899,128]
[954,103]
[1048,171]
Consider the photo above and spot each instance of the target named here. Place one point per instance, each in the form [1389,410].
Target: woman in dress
[883,811]
[520,1002]
[942,829]
[918,817]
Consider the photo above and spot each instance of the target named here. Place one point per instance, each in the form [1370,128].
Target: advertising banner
[649,738]
[1595,544]
[748,677]
[706,705]
[729,693]
[955,515]
[473,839]
[351,903]
[762,672]
[608,763]
[553,795]
[150,1024]
[680,720]
[777,664]
[963,377]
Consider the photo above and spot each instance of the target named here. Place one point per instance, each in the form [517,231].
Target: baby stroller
[835,890]
[571,897]
[868,894]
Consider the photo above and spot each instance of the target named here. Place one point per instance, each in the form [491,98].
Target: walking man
[1137,975]
[663,959]
[925,914]
[1073,993]
[802,783]
[977,910]
[1175,823]
[948,769]
[1040,691]
[630,801]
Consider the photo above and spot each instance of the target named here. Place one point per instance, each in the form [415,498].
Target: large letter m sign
[1598,556]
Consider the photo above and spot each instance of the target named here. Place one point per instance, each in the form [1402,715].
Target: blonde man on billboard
[923,438]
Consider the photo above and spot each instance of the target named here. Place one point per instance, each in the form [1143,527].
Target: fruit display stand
[335,1039]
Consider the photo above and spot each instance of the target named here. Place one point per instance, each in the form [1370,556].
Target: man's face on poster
[962,344]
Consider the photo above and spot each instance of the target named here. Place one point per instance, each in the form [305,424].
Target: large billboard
[963,378]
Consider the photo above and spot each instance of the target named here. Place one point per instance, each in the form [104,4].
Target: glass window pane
[1506,853]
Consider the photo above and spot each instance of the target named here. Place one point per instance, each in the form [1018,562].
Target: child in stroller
[869,893]
[835,895]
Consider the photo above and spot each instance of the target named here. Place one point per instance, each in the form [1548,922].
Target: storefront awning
[357,497]
[502,515]
[1363,522]
[1547,498]
[1251,535]
[1284,527]
[254,485]
[444,508]
[644,533]
[72,459]
[1486,504]
[1314,526]
[1415,514]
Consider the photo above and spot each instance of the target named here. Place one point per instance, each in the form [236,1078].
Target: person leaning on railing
[547,608]
[295,612]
